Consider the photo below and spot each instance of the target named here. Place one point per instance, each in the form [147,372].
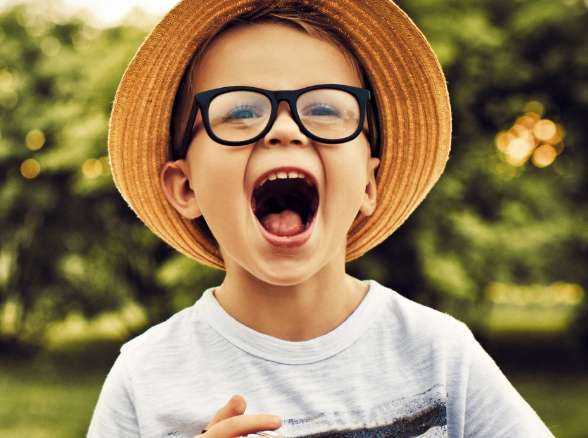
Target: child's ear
[368,205]
[174,179]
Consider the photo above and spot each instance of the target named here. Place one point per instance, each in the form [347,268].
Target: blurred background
[501,242]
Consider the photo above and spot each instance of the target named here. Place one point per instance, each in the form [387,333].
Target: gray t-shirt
[394,368]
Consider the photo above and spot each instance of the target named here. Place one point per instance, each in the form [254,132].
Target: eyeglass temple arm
[372,131]
[188,132]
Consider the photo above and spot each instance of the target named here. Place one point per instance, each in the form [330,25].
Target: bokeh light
[35,139]
[95,167]
[30,168]
[519,149]
[535,107]
[105,166]
[5,79]
[83,38]
[559,293]
[531,137]
[92,168]
[544,155]
[544,130]
[50,46]
[8,83]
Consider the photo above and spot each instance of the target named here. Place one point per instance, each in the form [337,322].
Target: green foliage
[68,242]
[179,275]
[487,220]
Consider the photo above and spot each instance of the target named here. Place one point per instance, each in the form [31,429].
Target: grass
[561,401]
[46,402]
[43,402]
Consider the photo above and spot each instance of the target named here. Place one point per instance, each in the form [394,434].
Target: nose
[285,130]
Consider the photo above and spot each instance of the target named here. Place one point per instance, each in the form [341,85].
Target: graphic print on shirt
[423,415]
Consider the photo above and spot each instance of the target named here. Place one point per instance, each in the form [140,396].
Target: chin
[291,270]
[286,272]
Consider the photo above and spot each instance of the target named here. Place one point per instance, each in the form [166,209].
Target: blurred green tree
[69,242]
[488,220]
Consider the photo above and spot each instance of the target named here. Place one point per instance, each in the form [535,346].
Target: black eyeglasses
[237,116]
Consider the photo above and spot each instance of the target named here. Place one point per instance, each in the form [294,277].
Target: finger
[235,406]
[242,425]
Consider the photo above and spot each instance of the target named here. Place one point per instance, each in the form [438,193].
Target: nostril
[275,142]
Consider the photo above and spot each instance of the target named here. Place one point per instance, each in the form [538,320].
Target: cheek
[217,176]
[346,179]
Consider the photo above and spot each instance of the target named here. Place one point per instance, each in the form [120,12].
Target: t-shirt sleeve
[493,406]
[114,415]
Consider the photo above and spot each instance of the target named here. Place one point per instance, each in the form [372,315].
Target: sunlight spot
[105,166]
[519,150]
[535,107]
[5,79]
[531,137]
[544,155]
[526,121]
[79,41]
[35,139]
[92,168]
[545,130]
[30,168]
[558,293]
[5,267]
[50,46]
[503,139]
[557,137]
[9,316]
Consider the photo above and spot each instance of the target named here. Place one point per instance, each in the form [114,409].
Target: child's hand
[230,421]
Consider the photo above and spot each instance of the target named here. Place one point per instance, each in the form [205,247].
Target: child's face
[219,181]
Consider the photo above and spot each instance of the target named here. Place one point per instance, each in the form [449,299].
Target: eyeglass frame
[202,101]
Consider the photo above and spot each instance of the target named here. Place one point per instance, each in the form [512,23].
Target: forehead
[275,57]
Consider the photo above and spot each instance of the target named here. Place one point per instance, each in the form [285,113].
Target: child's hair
[301,17]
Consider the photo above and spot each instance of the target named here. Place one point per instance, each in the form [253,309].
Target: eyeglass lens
[242,115]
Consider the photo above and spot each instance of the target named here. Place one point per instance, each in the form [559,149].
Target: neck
[296,312]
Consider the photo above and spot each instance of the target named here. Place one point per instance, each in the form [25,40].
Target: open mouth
[285,202]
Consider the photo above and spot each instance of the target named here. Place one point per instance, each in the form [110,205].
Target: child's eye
[244,112]
[320,110]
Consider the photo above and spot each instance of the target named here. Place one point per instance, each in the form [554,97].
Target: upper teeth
[282,174]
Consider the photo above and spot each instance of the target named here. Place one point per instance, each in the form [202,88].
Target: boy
[303,133]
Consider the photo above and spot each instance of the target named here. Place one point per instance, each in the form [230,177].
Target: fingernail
[276,421]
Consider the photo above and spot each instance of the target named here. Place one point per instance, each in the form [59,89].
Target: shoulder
[414,316]
[420,325]
[167,341]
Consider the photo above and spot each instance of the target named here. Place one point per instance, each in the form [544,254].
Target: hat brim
[409,90]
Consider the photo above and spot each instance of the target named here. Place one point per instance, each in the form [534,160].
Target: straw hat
[408,87]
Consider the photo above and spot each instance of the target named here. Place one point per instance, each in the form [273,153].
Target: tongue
[286,223]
